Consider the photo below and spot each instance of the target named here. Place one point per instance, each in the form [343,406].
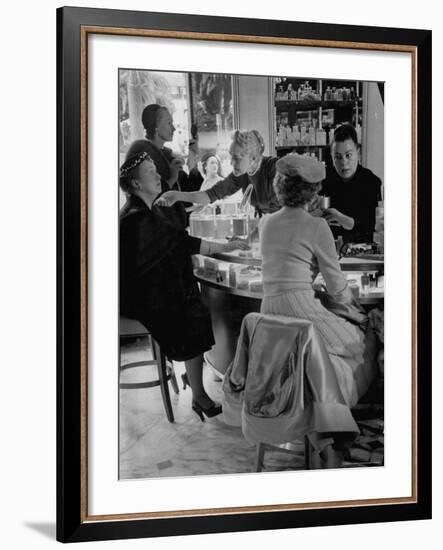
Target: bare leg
[194,370]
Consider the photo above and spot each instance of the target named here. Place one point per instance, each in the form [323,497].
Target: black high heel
[210,412]
[185,380]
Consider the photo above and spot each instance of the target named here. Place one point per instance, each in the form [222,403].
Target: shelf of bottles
[308,111]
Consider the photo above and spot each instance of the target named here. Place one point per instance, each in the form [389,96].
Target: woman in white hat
[295,247]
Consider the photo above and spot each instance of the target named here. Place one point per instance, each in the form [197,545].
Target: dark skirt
[183,331]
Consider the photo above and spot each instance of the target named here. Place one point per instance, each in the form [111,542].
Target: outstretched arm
[222,189]
[171,197]
[209,248]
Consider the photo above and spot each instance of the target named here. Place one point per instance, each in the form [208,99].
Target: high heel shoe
[185,380]
[210,412]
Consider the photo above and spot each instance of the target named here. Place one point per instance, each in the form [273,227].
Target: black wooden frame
[72,523]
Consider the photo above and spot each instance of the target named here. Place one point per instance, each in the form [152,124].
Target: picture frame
[74,520]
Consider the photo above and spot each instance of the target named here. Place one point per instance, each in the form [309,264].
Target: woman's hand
[317,212]
[253,235]
[168,198]
[235,245]
[334,217]
[314,208]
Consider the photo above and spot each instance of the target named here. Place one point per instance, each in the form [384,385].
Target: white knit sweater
[295,246]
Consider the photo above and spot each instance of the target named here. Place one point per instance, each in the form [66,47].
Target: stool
[130,328]
[367,449]
[297,448]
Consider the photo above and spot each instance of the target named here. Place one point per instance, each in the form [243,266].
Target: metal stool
[129,328]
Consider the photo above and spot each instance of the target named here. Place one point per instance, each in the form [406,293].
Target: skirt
[183,331]
[344,341]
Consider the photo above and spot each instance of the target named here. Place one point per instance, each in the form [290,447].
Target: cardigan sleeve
[194,244]
[225,188]
[326,254]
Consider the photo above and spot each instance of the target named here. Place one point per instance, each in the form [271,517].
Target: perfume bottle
[364,283]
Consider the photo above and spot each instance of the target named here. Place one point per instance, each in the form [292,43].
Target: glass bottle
[364,282]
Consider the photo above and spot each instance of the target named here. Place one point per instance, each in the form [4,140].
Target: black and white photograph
[218,243]
[243,245]
[251,273]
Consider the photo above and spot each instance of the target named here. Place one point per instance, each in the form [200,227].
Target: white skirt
[344,341]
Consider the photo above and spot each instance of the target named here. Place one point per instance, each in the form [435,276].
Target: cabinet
[306,112]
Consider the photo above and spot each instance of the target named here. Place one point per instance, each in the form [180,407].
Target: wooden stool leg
[161,367]
[260,456]
[153,347]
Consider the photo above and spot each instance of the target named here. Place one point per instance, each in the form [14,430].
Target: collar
[135,203]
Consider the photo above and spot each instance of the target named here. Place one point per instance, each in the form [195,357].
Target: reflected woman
[212,171]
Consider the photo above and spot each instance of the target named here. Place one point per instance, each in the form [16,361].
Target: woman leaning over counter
[249,168]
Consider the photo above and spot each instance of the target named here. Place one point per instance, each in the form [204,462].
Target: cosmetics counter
[231,283]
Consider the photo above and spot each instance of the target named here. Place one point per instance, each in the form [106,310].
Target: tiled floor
[150,446]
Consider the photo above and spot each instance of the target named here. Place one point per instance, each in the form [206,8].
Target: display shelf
[369,299]
[310,110]
[311,105]
[347,263]
[234,258]
[283,147]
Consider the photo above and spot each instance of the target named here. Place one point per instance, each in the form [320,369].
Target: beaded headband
[133,162]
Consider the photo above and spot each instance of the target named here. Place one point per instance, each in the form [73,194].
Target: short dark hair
[344,132]
[150,116]
[293,190]
[126,183]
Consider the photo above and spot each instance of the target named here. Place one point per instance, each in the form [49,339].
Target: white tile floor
[150,446]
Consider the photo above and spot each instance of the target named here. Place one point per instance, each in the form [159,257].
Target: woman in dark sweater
[157,286]
[353,189]
[250,169]
[159,129]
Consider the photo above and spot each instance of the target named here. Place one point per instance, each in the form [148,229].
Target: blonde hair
[250,142]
